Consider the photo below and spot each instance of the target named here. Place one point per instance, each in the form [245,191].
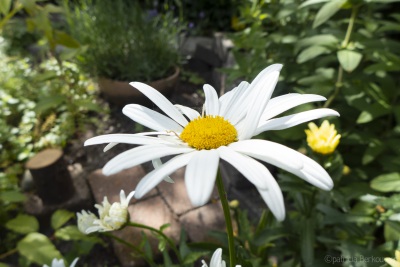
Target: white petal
[141,154]
[161,101]
[280,104]
[313,173]
[150,118]
[253,170]
[216,258]
[189,112]
[274,199]
[246,101]
[74,262]
[200,176]
[211,101]
[228,103]
[109,146]
[287,159]
[134,139]
[273,153]
[263,89]
[295,119]
[157,163]
[153,178]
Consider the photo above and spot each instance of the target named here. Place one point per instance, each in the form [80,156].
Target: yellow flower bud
[322,140]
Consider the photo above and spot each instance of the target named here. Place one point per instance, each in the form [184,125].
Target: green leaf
[23,224]
[382,1]
[88,105]
[375,148]
[5,6]
[4,265]
[70,232]
[66,40]
[193,256]
[12,196]
[318,40]
[312,2]
[164,226]
[311,52]
[389,182]
[392,231]
[372,112]
[48,103]
[327,11]
[60,217]
[162,244]
[167,262]
[45,76]
[38,248]
[349,60]
[307,240]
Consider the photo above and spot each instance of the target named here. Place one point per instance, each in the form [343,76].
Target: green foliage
[23,224]
[38,248]
[42,107]
[346,51]
[35,247]
[134,47]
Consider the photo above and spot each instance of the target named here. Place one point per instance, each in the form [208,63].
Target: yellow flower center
[209,132]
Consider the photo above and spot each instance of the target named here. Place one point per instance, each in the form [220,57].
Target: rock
[166,204]
[175,195]
[110,186]
[200,221]
[151,212]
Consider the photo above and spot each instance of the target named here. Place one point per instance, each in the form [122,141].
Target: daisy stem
[159,232]
[228,221]
[134,248]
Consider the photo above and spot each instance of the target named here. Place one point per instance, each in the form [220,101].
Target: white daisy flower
[85,220]
[111,216]
[216,260]
[60,263]
[223,132]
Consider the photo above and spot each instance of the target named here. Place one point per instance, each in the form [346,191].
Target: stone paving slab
[175,195]
[168,203]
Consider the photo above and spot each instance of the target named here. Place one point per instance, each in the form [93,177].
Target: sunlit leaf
[311,52]
[327,11]
[349,60]
[60,217]
[38,248]
[389,182]
[312,2]
[23,224]
[12,196]
[5,6]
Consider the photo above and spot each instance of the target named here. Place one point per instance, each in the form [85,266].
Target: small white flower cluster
[111,216]
[216,260]
[60,263]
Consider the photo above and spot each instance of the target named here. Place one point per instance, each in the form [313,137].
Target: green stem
[339,81]
[350,26]
[8,253]
[169,240]
[11,14]
[228,221]
[134,248]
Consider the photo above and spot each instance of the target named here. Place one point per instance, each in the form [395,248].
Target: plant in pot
[123,44]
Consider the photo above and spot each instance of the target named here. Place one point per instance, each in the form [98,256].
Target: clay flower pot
[121,93]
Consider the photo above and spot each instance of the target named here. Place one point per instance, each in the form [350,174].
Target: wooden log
[51,177]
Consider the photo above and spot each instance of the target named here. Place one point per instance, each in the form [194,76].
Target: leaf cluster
[123,41]
[348,52]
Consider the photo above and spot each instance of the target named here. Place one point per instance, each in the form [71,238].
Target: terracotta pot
[121,93]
